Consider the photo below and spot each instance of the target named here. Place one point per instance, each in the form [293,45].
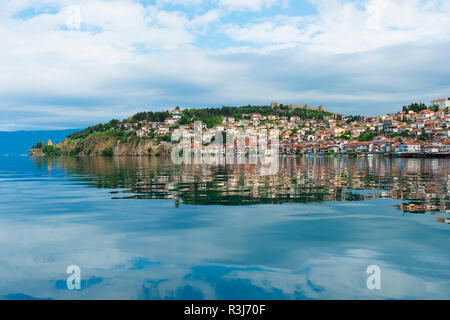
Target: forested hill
[209,116]
[212,116]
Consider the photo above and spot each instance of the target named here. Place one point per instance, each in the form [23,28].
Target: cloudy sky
[68,64]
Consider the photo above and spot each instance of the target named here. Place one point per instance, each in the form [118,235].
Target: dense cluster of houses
[405,131]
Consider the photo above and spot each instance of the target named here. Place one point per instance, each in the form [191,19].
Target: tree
[404,134]
[184,120]
[293,132]
[108,151]
[351,119]
[51,150]
[75,151]
[38,145]
[114,123]
[211,122]
[416,107]
[367,135]
[434,108]
[164,138]
[343,136]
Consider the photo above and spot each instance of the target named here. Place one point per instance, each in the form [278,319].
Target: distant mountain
[19,142]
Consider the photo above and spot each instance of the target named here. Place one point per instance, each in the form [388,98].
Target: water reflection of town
[422,184]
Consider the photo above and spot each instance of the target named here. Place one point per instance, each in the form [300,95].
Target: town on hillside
[416,129]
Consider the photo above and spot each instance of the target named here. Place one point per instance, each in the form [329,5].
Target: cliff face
[133,146]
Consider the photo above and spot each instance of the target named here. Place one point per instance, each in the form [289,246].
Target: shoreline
[335,155]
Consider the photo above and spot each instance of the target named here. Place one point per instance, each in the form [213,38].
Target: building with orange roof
[442,103]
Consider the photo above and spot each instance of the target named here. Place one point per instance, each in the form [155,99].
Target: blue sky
[68,64]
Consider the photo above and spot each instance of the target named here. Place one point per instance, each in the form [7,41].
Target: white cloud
[206,18]
[127,57]
[347,27]
[280,30]
[252,5]
[179,2]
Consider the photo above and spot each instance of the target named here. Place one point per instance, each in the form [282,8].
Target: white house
[409,147]
[442,103]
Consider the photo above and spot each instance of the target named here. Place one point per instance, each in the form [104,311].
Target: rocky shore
[108,145]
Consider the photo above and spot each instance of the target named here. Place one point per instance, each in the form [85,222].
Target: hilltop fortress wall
[296,106]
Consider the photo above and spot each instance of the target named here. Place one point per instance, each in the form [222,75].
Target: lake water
[144,228]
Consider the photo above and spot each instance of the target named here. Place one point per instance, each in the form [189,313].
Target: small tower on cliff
[49,142]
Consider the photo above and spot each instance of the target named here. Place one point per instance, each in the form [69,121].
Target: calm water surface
[143,228]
